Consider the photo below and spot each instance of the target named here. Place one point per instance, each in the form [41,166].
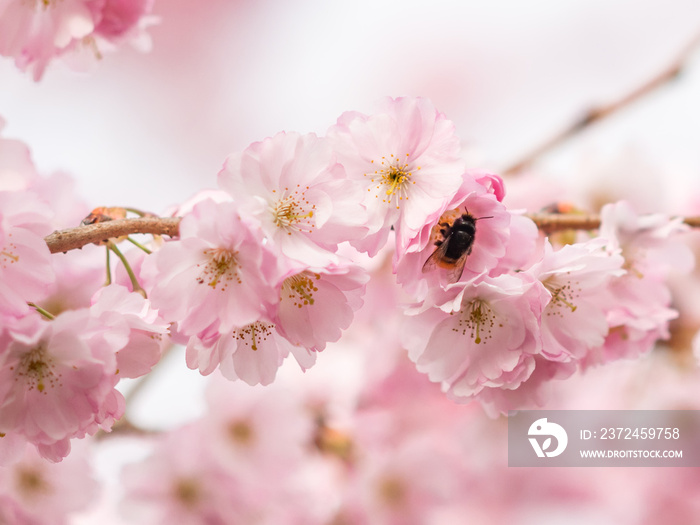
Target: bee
[454,247]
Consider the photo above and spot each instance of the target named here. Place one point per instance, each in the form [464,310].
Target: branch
[599,113]
[74,238]
[552,222]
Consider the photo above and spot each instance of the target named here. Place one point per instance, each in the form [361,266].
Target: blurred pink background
[148,130]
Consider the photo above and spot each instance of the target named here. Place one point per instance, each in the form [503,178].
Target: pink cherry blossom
[531,394]
[317,304]
[650,244]
[78,274]
[17,170]
[46,492]
[115,306]
[651,248]
[119,18]
[12,447]
[475,201]
[408,483]
[218,271]
[638,319]
[265,432]
[576,278]
[182,483]
[407,159]
[118,22]
[57,379]
[35,32]
[485,335]
[252,353]
[300,194]
[25,266]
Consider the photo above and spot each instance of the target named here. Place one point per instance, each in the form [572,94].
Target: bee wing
[434,260]
[455,272]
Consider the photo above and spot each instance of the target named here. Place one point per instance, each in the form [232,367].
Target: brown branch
[74,238]
[599,113]
[553,222]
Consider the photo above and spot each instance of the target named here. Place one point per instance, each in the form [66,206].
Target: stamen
[253,334]
[7,254]
[392,491]
[478,319]
[221,268]
[300,288]
[293,211]
[241,432]
[563,295]
[36,369]
[392,179]
[187,491]
[30,483]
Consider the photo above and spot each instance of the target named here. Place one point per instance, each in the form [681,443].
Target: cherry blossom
[485,335]
[35,32]
[58,379]
[650,243]
[218,271]
[405,484]
[477,202]
[318,303]
[406,158]
[576,278]
[252,352]
[533,393]
[651,248]
[294,186]
[25,266]
[47,492]
[115,306]
[17,170]
[266,432]
[184,489]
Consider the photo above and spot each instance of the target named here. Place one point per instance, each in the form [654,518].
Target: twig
[552,222]
[74,238]
[596,114]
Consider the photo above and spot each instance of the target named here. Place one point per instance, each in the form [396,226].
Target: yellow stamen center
[7,254]
[36,369]
[253,334]
[477,319]
[241,432]
[188,492]
[221,268]
[293,211]
[392,492]
[391,179]
[563,295]
[29,482]
[300,288]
